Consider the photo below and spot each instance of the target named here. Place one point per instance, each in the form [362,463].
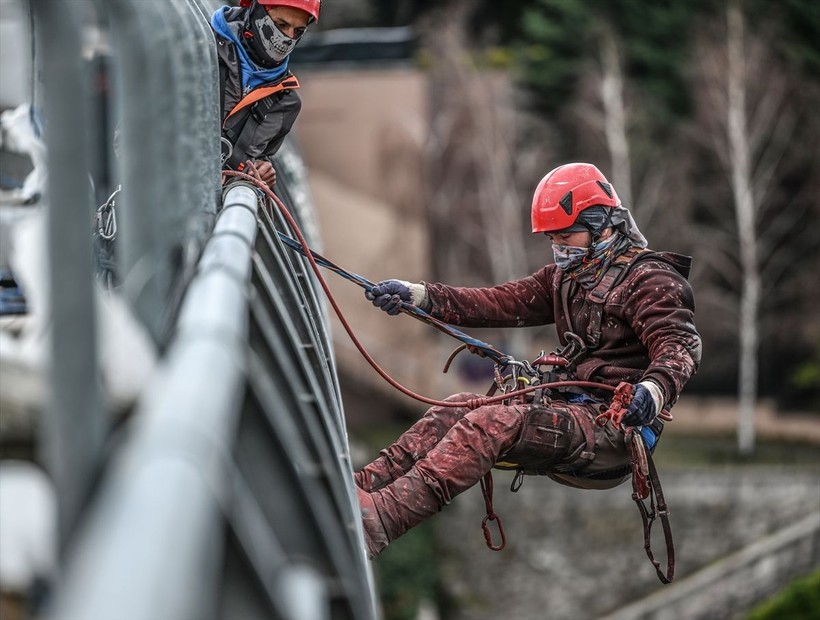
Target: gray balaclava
[596,219]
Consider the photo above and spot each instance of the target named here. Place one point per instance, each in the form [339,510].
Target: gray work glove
[389,294]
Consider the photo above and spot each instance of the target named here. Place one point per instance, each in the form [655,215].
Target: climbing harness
[257,94]
[645,479]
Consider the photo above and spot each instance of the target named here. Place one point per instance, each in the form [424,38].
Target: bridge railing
[227,490]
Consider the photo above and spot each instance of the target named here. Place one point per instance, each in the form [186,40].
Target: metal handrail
[73,427]
[171,480]
[244,408]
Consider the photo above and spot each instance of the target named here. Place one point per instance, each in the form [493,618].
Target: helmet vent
[566,203]
[606,187]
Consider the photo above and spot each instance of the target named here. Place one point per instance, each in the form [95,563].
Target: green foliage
[406,574]
[799,601]
[807,376]
[806,380]
[794,28]
[561,39]
[551,50]
[498,58]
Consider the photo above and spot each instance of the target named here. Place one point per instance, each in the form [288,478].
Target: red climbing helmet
[311,7]
[565,192]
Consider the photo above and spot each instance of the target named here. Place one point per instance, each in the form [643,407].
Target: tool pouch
[544,440]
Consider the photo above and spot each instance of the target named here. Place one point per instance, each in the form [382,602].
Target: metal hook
[107,216]
[226,156]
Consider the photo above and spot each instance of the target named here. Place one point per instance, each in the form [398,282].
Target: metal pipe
[172,476]
[73,427]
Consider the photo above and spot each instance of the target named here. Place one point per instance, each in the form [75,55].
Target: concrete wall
[579,554]
[15,54]
[366,129]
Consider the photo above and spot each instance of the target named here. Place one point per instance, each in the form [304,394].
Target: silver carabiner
[226,156]
[524,366]
[107,216]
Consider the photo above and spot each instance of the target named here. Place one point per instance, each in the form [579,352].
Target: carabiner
[488,536]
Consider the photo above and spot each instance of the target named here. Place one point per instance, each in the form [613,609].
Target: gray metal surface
[167,100]
[72,433]
[228,491]
[161,502]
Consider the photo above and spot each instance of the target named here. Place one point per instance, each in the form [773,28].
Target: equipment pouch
[544,440]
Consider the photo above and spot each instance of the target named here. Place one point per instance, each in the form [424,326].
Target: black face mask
[253,39]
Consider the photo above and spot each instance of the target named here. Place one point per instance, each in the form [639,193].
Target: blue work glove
[388,295]
[646,400]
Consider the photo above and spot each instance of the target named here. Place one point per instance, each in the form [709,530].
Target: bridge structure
[223,488]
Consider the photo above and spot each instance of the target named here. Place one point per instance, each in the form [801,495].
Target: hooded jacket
[257,131]
[647,330]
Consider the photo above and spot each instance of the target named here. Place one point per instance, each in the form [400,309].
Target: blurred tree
[749,109]
[558,35]
[611,75]
[477,216]
[795,32]
[613,81]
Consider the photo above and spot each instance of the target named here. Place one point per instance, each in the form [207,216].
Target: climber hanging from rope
[624,315]
[590,414]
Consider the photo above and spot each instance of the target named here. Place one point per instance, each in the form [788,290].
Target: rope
[409,309]
[487,491]
[309,254]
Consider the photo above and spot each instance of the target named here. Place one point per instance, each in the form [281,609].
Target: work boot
[391,464]
[375,538]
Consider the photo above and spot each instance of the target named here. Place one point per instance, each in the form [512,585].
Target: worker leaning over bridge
[259,102]
[623,314]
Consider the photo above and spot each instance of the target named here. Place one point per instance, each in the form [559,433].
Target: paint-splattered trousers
[451,448]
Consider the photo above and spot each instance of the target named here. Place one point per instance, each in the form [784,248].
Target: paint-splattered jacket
[647,328]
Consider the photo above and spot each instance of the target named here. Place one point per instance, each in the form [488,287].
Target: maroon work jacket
[647,329]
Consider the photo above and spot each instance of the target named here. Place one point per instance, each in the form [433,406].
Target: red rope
[487,491]
[471,403]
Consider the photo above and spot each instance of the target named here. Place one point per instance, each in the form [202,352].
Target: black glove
[642,409]
[388,295]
